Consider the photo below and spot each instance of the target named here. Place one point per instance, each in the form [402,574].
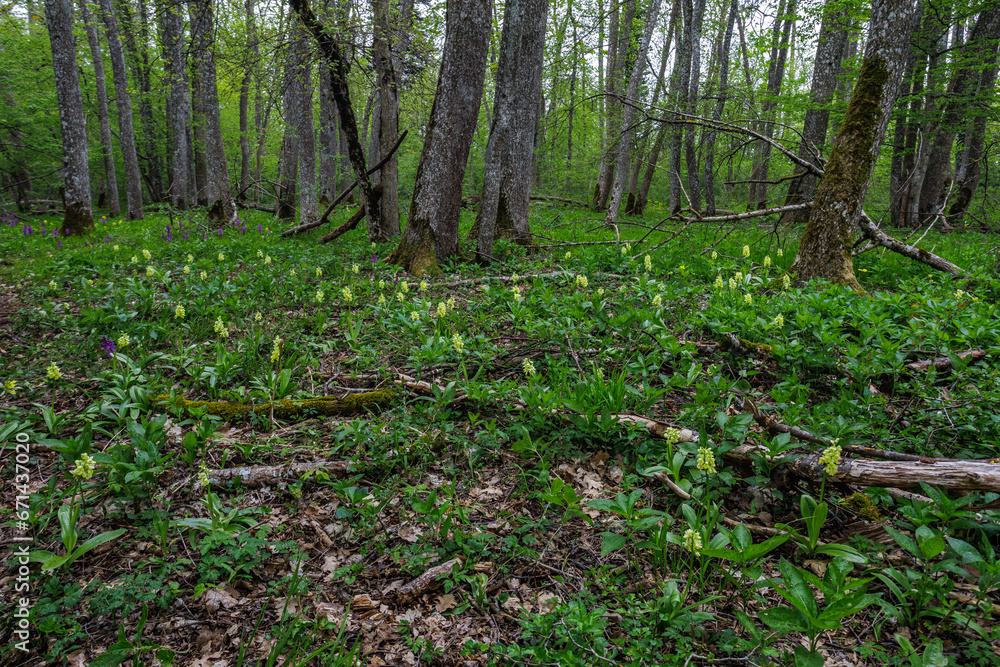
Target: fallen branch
[427,581]
[347,226]
[871,230]
[343,195]
[257,476]
[958,475]
[944,363]
[326,406]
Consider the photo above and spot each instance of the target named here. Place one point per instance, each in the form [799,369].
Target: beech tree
[825,249]
[123,99]
[432,228]
[78,216]
[103,117]
[503,210]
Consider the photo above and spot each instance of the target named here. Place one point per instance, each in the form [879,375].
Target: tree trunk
[776,74]
[251,26]
[76,177]
[680,84]
[303,92]
[972,158]
[609,90]
[959,101]
[328,135]
[825,249]
[509,152]
[628,113]
[198,135]
[388,116]
[690,152]
[338,68]
[720,104]
[832,42]
[180,110]
[220,199]
[133,179]
[288,178]
[432,228]
[114,206]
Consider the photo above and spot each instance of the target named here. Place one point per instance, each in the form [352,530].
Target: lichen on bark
[288,409]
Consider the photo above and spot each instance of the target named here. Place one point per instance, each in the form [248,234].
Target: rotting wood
[289,408]
[257,476]
[871,231]
[957,475]
[427,581]
[942,364]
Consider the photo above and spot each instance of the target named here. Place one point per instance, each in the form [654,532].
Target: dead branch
[958,475]
[347,226]
[343,195]
[944,363]
[256,476]
[427,581]
[871,230]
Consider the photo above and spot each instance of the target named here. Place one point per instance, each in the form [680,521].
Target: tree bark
[509,152]
[825,249]
[628,114]
[832,42]
[251,27]
[126,133]
[680,84]
[958,102]
[690,136]
[776,74]
[78,217]
[388,117]
[969,172]
[114,206]
[720,104]
[432,229]
[303,91]
[338,67]
[220,198]
[180,107]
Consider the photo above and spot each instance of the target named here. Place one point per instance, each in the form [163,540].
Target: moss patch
[290,409]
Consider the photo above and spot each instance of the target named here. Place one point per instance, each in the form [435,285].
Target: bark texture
[825,249]
[126,132]
[103,117]
[432,228]
[303,92]
[220,198]
[628,115]
[832,43]
[388,116]
[507,187]
[76,176]
[180,103]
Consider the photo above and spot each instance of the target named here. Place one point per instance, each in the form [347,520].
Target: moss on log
[289,408]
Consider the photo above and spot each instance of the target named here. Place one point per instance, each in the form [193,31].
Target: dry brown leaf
[217,598]
[409,532]
[445,602]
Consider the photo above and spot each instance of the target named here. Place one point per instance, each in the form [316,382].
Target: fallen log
[428,580]
[957,475]
[942,364]
[257,476]
[289,408]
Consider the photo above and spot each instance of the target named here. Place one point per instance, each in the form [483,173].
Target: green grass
[513,461]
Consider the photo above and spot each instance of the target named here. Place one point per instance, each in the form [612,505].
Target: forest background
[235,97]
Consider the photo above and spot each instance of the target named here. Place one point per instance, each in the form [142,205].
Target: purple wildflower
[59,244]
[108,346]
[260,228]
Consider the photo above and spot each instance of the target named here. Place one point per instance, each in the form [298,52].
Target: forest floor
[554,461]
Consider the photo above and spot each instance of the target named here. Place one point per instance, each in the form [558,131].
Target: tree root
[257,476]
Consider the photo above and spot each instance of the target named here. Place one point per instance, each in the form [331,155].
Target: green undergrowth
[142,357]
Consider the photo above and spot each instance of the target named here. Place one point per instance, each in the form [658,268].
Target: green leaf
[904,541]
[784,619]
[806,658]
[611,542]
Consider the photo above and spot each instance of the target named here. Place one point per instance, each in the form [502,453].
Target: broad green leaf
[806,658]
[611,542]
[784,619]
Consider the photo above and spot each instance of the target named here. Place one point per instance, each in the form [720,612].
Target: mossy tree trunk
[432,228]
[825,250]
